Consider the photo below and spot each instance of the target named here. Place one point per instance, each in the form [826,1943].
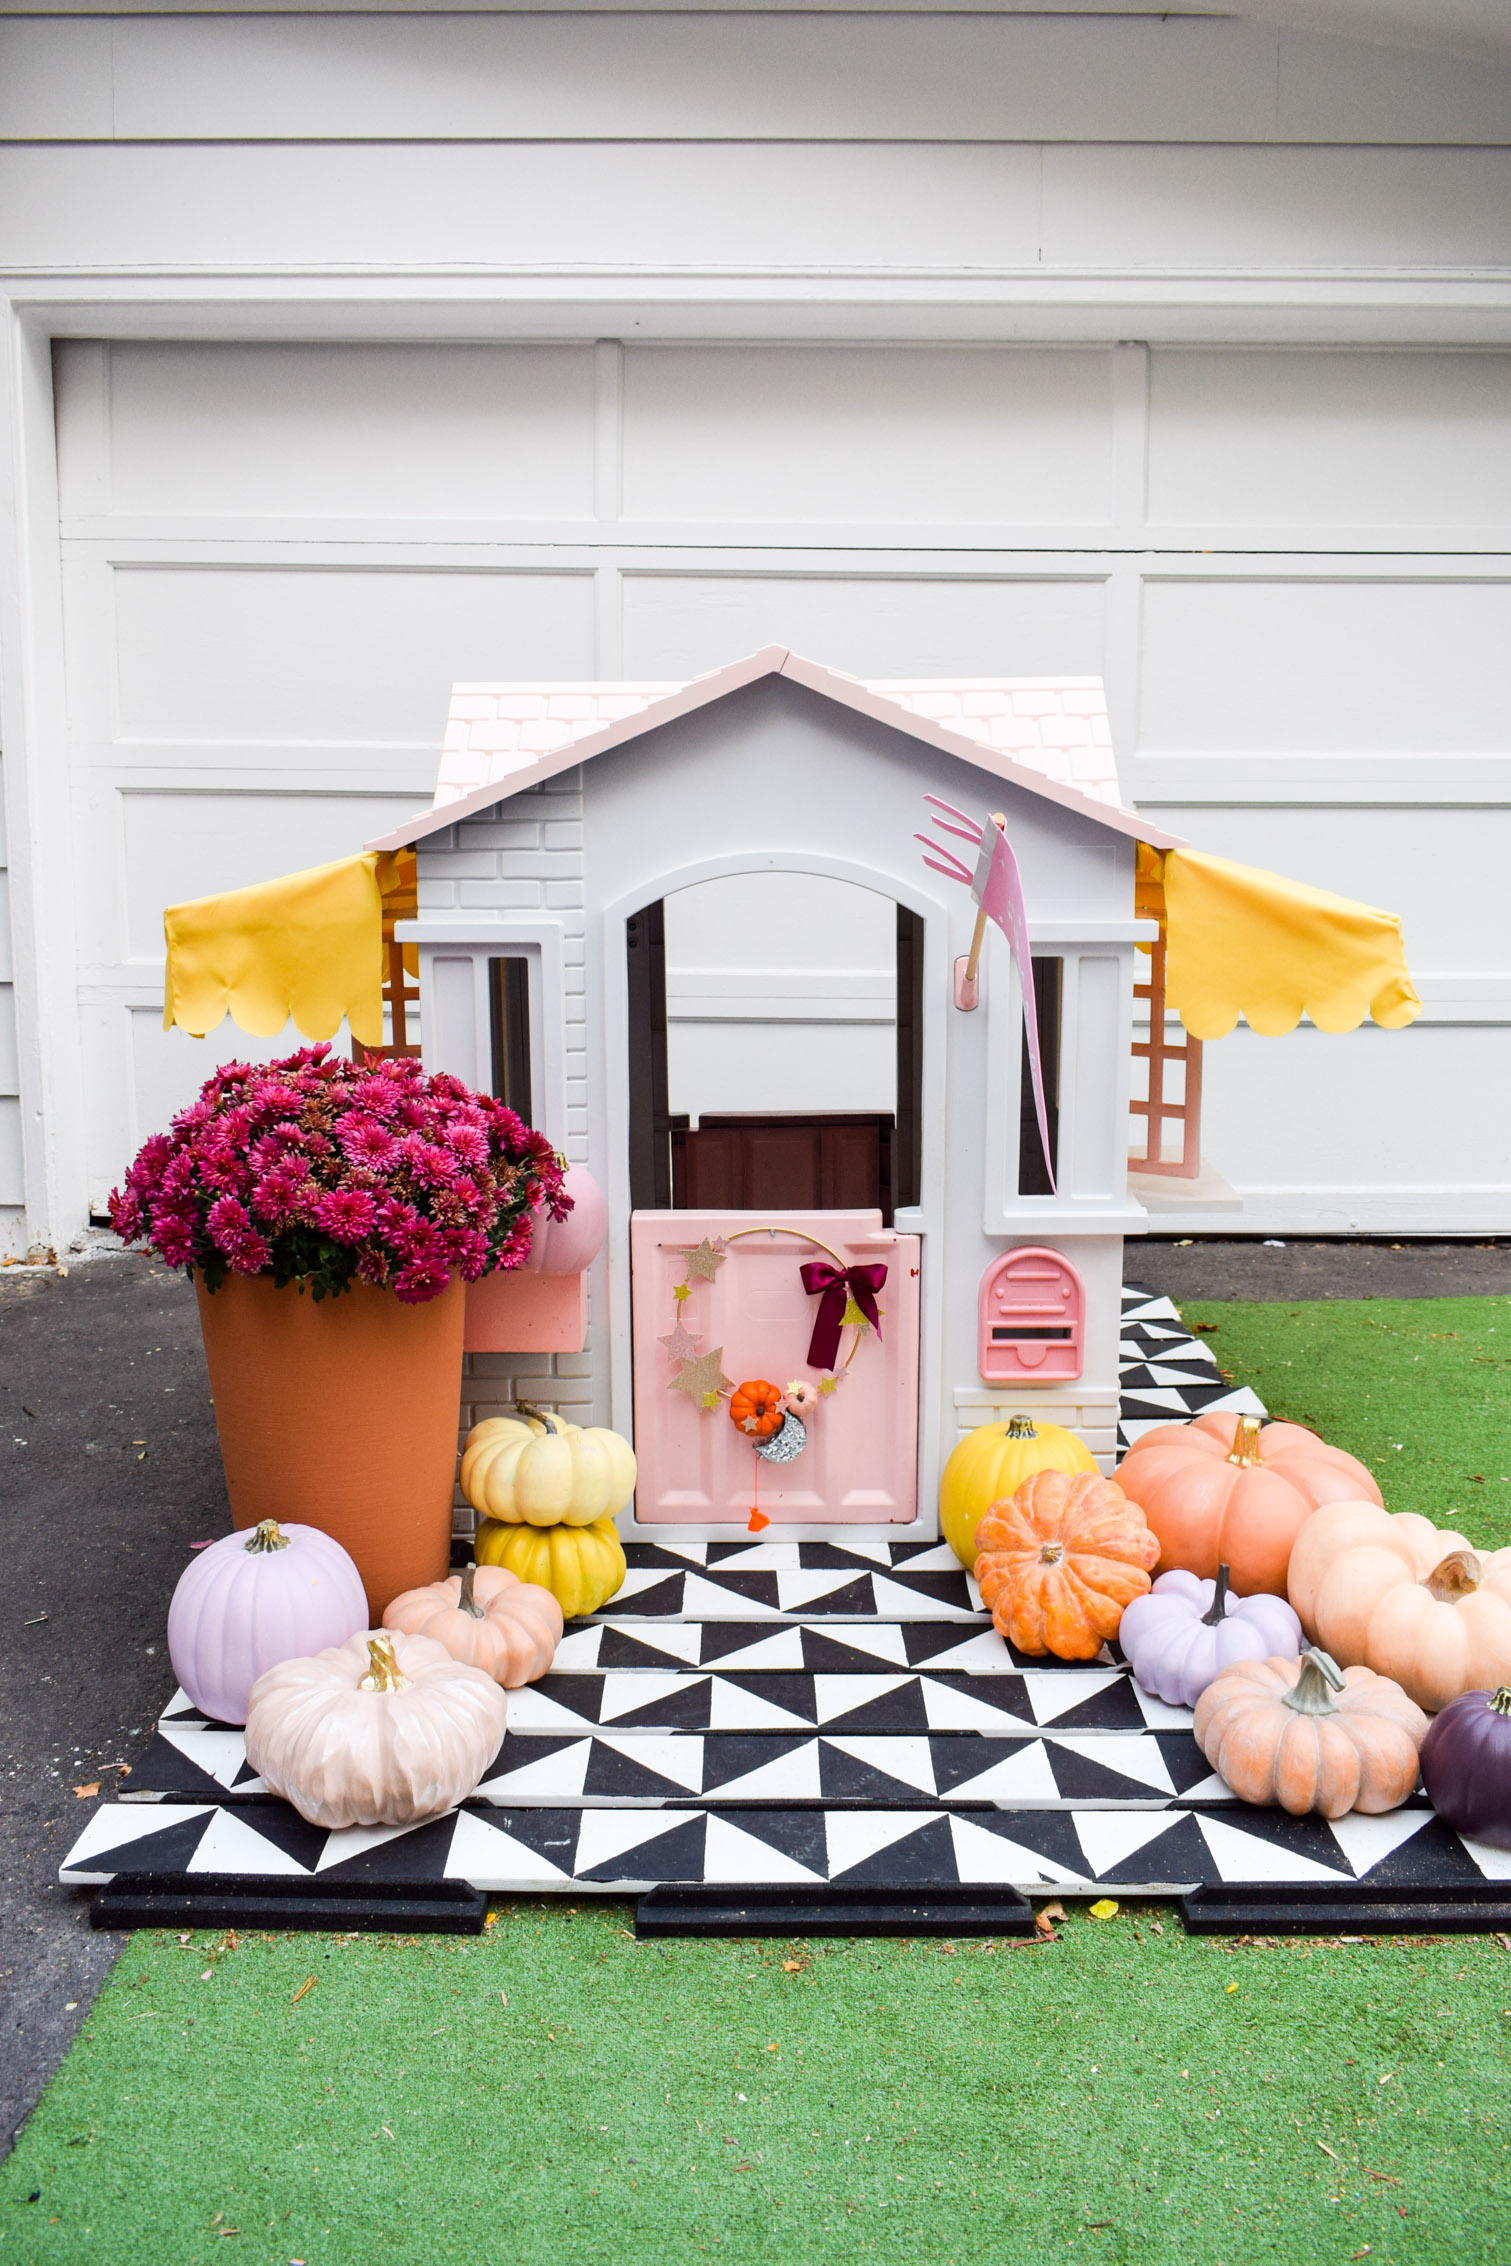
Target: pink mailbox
[1032,1319]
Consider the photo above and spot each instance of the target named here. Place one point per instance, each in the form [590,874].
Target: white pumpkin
[385,1729]
[537,1470]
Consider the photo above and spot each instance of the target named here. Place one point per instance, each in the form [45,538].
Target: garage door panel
[678,625]
[235,654]
[772,433]
[1443,870]
[1320,439]
[314,431]
[177,846]
[1348,665]
[1424,1108]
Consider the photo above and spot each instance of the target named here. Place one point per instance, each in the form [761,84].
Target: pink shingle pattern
[1055,725]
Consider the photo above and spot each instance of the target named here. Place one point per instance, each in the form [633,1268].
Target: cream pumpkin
[1219,1491]
[385,1729]
[1413,1601]
[488,1617]
[537,1470]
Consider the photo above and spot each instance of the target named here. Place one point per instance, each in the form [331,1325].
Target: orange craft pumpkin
[1058,1561]
[756,1408]
[1409,1599]
[1311,1736]
[1219,1491]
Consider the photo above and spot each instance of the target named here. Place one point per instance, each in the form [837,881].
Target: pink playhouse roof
[1048,734]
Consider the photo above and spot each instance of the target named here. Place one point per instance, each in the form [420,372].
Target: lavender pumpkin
[254,1600]
[1182,1636]
[1466,1766]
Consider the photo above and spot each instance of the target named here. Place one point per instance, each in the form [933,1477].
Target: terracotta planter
[342,1414]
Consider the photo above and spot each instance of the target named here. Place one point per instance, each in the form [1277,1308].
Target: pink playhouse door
[860,1463]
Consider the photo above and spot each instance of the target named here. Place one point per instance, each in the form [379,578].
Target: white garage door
[1289,566]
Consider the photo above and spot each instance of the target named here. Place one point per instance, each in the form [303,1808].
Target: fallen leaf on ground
[1322,2144]
[307,1985]
[792,1966]
[87,1793]
[1105,1908]
[1046,1916]
[1390,2178]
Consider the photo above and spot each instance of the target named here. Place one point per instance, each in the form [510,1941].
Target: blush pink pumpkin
[569,1246]
[253,1600]
[487,1616]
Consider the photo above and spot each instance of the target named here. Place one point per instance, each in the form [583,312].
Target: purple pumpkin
[1186,1632]
[1466,1765]
[254,1600]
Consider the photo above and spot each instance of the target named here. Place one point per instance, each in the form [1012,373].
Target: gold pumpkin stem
[1245,1449]
[385,1674]
[1310,1694]
[546,1416]
[1458,1575]
[1500,1702]
[466,1602]
[266,1535]
[1022,1428]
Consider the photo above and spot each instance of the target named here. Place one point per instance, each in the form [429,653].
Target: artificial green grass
[1119,2095]
[556,2095]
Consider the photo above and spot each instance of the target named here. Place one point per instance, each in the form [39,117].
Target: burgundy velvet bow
[838,1285]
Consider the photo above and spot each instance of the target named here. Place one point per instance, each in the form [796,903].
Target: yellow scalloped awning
[1242,942]
[308,948]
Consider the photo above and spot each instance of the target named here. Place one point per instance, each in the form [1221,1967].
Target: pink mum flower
[346,1214]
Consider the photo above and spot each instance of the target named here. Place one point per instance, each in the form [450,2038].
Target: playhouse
[564,819]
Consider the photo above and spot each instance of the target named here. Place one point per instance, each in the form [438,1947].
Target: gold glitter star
[828,1384]
[681,1345]
[701,1376]
[705,1262]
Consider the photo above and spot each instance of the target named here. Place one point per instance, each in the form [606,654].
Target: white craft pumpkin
[537,1470]
[385,1729]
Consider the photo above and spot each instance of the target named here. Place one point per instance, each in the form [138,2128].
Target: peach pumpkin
[1219,1491]
[1411,1600]
[385,1729]
[1309,1735]
[1058,1561]
[488,1617]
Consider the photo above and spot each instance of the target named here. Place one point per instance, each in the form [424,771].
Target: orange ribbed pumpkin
[1219,1491]
[755,1408]
[1058,1561]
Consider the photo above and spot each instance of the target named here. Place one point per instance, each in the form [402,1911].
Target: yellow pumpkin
[537,1470]
[582,1566]
[990,1464]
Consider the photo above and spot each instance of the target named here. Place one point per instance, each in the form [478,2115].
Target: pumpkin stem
[466,1602]
[1022,1428]
[1458,1575]
[1245,1448]
[1217,1610]
[1310,1694]
[266,1535]
[385,1674]
[1500,1702]
[546,1416]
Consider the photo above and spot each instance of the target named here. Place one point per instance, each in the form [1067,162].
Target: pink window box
[526,1313]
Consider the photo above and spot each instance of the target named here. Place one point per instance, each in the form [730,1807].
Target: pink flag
[997,887]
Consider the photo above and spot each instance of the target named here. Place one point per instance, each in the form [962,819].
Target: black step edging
[276,1901]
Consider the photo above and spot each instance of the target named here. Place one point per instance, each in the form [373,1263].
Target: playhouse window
[775,1060]
[509,1021]
[1033,1171]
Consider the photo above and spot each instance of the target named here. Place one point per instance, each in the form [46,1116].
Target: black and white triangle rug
[835,1717]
